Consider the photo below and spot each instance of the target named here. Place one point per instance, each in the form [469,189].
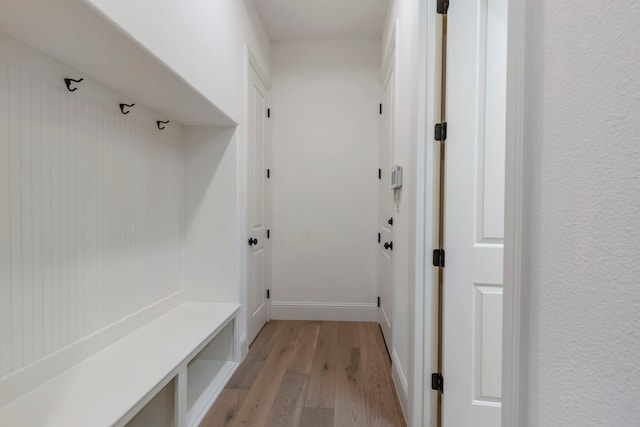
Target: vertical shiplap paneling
[5,225]
[56,235]
[26,148]
[135,206]
[90,220]
[36,218]
[47,273]
[96,223]
[16,218]
[73,128]
[65,199]
[130,223]
[86,304]
[115,228]
[90,292]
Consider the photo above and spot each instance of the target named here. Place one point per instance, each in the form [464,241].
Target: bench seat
[112,386]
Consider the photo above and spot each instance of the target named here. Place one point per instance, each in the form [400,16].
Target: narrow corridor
[306,373]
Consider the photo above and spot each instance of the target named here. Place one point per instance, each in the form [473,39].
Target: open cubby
[159,412]
[208,372]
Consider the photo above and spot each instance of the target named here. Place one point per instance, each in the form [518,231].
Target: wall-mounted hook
[68,83]
[160,123]
[123,106]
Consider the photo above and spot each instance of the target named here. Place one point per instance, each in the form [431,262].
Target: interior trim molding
[421,361]
[310,310]
[400,379]
[243,346]
[515,327]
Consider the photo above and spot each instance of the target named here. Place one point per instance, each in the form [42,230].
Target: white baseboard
[305,310]
[26,379]
[400,381]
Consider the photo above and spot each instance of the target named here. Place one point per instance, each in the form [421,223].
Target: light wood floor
[311,374]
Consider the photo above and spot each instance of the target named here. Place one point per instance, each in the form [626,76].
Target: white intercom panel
[396,177]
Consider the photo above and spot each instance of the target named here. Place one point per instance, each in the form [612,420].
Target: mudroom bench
[167,373]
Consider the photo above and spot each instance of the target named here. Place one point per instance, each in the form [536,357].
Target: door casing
[514,352]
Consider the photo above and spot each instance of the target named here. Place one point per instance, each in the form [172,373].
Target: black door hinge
[379,237]
[268,113]
[380,108]
[268,293]
[440,133]
[379,173]
[268,234]
[437,382]
[443,7]
[438,257]
[268,173]
[379,301]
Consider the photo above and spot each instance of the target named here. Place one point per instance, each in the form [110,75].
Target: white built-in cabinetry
[100,216]
[166,373]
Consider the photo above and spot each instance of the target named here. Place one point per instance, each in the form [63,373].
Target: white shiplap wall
[90,209]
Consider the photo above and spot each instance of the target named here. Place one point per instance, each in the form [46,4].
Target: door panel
[474,212]
[385,208]
[259,290]
[257,205]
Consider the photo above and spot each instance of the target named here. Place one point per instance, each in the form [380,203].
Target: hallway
[307,373]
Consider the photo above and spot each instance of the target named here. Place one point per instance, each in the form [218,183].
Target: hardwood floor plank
[303,356]
[260,348]
[287,407]
[263,392]
[381,343]
[312,374]
[264,341]
[382,406]
[316,417]
[350,408]
[322,382]
[348,336]
[225,409]
[297,410]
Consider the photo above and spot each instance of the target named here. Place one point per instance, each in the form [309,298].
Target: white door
[474,212]
[256,241]
[385,208]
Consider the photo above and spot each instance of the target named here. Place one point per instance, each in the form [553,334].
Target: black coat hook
[123,106]
[68,83]
[161,123]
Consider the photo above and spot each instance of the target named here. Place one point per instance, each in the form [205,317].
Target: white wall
[211,215]
[583,218]
[203,41]
[90,209]
[402,20]
[325,121]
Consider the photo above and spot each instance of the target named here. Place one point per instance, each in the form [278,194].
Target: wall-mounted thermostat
[396,177]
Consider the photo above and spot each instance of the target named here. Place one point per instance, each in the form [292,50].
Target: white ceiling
[303,20]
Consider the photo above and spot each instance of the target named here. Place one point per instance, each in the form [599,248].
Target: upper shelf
[78,35]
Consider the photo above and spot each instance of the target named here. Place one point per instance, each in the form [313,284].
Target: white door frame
[514,324]
[515,327]
[428,111]
[250,62]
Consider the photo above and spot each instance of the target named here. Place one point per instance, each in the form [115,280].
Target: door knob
[253,241]
[390,221]
[388,245]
